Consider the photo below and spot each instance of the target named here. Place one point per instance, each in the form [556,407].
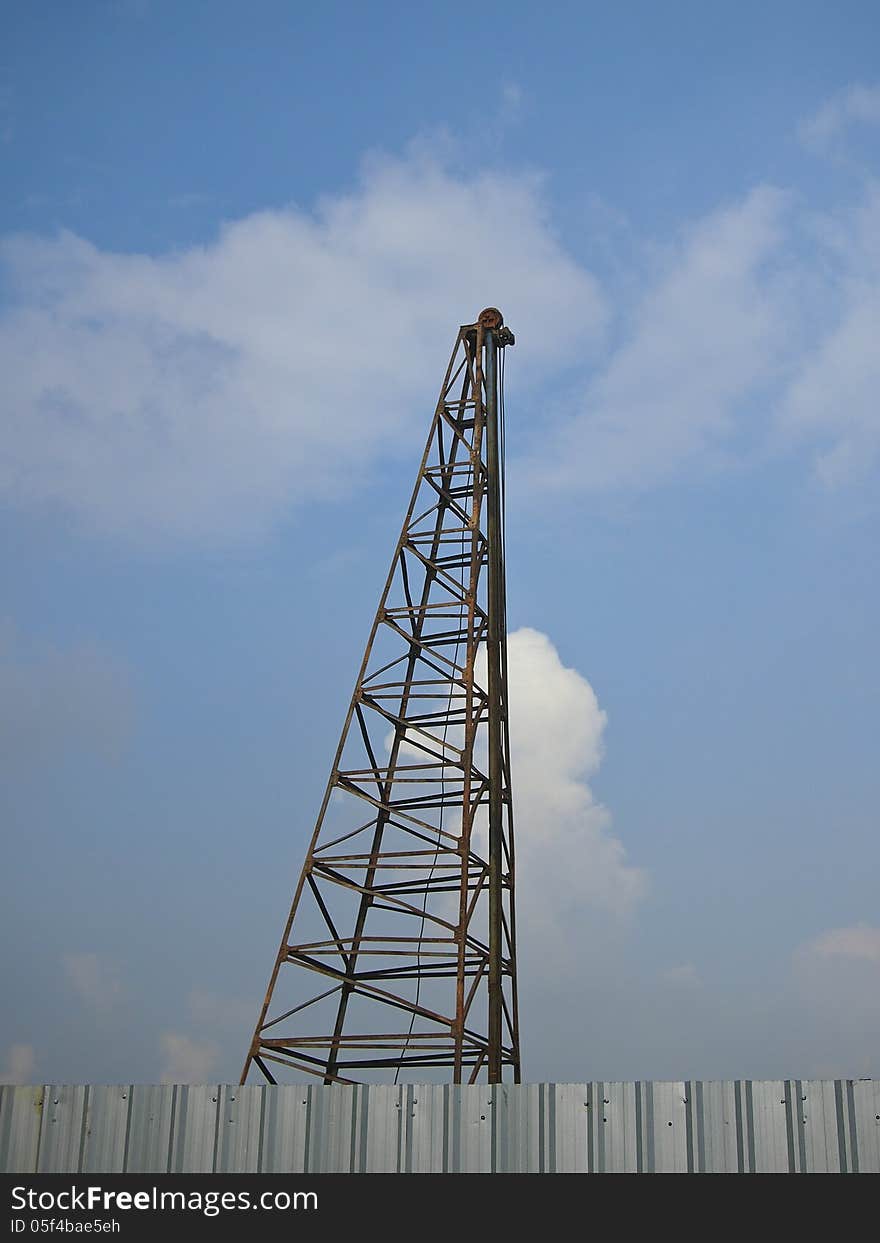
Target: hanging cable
[502,454]
[461,618]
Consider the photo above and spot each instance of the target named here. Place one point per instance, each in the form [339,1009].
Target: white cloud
[19,1064]
[205,392]
[836,979]
[94,979]
[837,394]
[759,337]
[186,1060]
[832,398]
[511,105]
[855,104]
[705,338]
[59,700]
[568,861]
[860,942]
[683,976]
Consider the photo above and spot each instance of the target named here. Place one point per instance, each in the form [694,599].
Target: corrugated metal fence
[734,1126]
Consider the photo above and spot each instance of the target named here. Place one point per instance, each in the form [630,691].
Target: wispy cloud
[219,1030]
[831,399]
[202,394]
[860,942]
[683,976]
[707,334]
[95,980]
[855,105]
[207,391]
[19,1064]
[837,982]
[186,1060]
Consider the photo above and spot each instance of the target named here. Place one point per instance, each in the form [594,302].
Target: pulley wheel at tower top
[491,318]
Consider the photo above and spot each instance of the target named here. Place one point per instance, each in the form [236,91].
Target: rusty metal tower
[398,958]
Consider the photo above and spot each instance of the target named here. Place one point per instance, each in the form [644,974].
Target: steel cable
[461,616]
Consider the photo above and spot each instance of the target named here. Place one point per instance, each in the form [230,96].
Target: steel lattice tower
[399,951]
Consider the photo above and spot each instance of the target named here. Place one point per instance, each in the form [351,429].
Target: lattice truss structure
[398,958]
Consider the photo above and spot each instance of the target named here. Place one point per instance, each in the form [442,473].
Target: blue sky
[235,246]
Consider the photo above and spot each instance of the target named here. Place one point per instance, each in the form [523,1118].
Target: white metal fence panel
[151,1112]
[21,1116]
[775,1126]
[62,1130]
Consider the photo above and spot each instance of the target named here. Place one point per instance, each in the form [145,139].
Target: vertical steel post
[494,645]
